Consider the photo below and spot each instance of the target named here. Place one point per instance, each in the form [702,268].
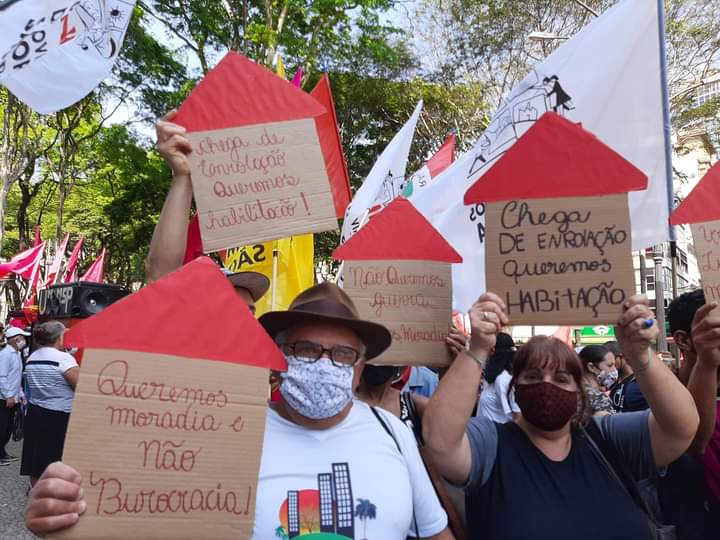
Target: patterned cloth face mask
[607,378]
[316,389]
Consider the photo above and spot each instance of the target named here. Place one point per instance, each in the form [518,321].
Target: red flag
[30,307]
[24,262]
[35,271]
[193,244]
[327,127]
[297,79]
[443,158]
[37,236]
[695,207]
[30,311]
[57,262]
[95,273]
[71,270]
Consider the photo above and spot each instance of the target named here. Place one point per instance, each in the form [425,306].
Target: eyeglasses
[340,355]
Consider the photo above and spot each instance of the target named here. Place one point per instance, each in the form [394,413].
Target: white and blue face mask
[607,378]
[316,389]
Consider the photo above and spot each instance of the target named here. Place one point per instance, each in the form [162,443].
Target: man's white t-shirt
[494,401]
[348,482]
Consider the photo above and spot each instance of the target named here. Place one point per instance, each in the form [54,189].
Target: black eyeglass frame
[323,350]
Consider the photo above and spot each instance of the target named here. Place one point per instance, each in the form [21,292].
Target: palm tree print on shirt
[363,511]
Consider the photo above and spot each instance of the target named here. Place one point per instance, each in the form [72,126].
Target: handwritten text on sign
[413,299]
[258,183]
[168,444]
[560,261]
[706,237]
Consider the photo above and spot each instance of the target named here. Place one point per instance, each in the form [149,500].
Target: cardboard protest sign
[258,170]
[558,244]
[169,413]
[701,210]
[397,271]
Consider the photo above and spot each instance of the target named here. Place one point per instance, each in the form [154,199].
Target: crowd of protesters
[511,441]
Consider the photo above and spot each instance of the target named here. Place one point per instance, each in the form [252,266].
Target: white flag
[385,180]
[607,76]
[55,52]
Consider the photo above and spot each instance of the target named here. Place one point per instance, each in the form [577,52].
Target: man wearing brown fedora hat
[363,462]
[331,467]
[167,248]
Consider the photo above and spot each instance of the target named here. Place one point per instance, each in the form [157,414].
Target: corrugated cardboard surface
[418,313]
[276,153]
[524,259]
[160,493]
[706,238]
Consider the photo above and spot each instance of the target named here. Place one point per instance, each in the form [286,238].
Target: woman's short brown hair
[47,333]
[544,352]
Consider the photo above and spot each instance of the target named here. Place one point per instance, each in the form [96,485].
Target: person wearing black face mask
[376,389]
[552,459]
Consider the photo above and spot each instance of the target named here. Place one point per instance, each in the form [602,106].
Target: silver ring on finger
[483,315]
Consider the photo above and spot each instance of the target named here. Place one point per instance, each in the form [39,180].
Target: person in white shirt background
[11,369]
[51,375]
[496,402]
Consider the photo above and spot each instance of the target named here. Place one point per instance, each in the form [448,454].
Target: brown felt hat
[326,302]
[256,284]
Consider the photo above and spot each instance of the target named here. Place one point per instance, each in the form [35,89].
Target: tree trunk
[4,190]
[62,195]
[27,194]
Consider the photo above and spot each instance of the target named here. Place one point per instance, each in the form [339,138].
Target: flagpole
[273,293]
[659,291]
[667,129]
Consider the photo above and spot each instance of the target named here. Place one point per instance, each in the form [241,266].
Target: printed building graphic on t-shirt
[325,513]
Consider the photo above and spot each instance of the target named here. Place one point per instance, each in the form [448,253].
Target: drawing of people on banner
[534,97]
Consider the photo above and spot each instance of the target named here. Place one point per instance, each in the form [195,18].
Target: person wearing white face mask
[599,375]
[330,464]
[11,367]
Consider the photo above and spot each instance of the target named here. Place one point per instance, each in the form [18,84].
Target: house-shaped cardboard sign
[169,412]
[397,271]
[558,238]
[701,209]
[258,170]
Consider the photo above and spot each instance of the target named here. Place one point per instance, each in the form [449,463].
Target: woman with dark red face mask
[540,476]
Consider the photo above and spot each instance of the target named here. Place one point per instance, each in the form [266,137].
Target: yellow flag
[280,68]
[290,260]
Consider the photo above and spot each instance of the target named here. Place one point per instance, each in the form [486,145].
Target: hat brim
[256,284]
[375,336]
[17,333]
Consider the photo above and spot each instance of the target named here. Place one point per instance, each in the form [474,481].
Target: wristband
[472,355]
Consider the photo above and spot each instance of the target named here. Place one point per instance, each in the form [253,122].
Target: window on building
[706,92]
[650,279]
[682,261]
